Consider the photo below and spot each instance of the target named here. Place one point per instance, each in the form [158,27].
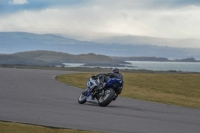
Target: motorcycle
[109,92]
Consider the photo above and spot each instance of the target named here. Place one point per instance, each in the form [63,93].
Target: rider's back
[117,75]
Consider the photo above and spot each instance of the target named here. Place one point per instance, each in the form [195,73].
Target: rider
[115,73]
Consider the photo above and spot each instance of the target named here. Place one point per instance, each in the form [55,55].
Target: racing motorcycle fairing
[116,84]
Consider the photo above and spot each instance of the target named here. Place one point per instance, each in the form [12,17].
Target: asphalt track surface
[35,97]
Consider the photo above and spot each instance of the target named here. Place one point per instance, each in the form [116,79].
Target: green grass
[175,89]
[9,127]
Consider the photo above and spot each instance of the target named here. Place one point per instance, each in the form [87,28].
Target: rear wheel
[82,99]
[106,98]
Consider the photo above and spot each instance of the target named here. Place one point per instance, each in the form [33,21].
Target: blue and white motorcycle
[109,92]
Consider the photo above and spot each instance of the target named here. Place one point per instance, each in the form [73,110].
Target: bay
[150,65]
[166,66]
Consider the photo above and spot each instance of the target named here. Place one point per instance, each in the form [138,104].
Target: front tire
[82,99]
[106,98]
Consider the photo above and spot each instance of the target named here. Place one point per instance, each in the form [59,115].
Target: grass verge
[174,89]
[10,127]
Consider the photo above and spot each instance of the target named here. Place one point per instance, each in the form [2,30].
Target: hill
[55,58]
[11,59]
[12,42]
[51,56]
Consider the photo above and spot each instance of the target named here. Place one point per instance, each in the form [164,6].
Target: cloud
[185,2]
[18,2]
[97,19]
[147,4]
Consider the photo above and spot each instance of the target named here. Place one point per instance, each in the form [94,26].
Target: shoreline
[96,69]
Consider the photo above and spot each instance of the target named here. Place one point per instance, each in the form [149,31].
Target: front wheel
[82,99]
[106,98]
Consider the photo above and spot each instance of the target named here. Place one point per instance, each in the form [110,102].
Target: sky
[93,19]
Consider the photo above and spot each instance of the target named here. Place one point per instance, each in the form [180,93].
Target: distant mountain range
[149,40]
[12,42]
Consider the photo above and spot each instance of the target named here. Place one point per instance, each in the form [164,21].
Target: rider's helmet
[115,70]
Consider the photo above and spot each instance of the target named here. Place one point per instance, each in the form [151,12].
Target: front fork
[87,93]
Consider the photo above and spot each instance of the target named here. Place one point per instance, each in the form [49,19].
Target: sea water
[166,66]
[150,65]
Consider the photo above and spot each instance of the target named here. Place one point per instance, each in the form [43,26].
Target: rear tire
[82,99]
[107,98]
